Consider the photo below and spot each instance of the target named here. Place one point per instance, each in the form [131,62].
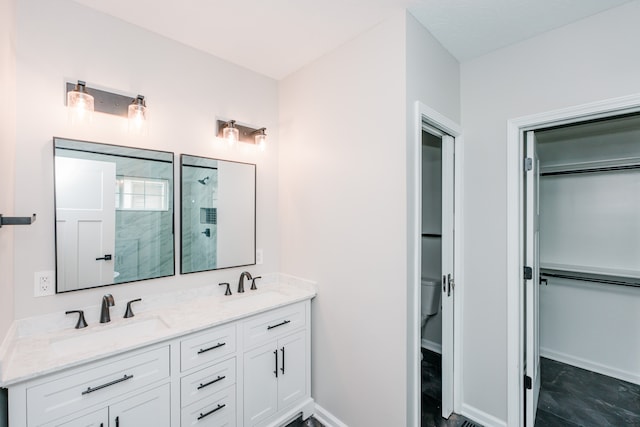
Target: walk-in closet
[589,290]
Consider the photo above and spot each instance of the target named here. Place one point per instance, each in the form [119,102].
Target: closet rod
[591,279]
[592,170]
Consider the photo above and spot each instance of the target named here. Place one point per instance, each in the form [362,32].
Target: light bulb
[230,133]
[261,139]
[79,104]
[138,116]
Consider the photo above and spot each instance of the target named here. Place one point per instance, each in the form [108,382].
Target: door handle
[452,284]
[282,369]
[276,354]
[107,257]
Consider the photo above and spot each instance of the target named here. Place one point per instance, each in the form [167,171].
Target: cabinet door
[95,419]
[292,378]
[151,408]
[261,366]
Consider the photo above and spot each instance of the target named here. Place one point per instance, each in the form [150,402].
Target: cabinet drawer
[208,381]
[217,410]
[93,384]
[273,324]
[207,346]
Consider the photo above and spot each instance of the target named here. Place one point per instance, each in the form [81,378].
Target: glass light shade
[261,141]
[138,116]
[80,105]
[231,134]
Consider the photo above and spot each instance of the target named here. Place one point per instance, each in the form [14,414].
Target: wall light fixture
[260,138]
[230,133]
[233,132]
[82,100]
[137,114]
[80,103]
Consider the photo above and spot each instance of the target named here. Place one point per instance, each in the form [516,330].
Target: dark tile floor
[571,396]
[432,395]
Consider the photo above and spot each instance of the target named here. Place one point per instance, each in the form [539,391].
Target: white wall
[343,205]
[7,155]
[593,326]
[186,89]
[586,61]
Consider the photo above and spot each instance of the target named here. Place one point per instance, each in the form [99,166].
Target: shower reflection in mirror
[217,214]
[114,214]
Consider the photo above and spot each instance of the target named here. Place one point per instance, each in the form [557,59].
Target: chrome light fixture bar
[228,128]
[103,101]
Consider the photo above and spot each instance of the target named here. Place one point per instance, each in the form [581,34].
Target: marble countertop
[38,346]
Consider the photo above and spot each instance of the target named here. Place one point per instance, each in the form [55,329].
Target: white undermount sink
[123,333]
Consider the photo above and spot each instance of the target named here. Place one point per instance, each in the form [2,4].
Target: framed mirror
[114,214]
[218,214]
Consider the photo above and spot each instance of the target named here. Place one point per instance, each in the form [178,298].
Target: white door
[292,376]
[532,285]
[85,222]
[151,408]
[448,281]
[261,373]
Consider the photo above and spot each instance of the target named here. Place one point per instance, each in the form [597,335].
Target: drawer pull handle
[220,378]
[204,350]
[119,380]
[279,324]
[211,412]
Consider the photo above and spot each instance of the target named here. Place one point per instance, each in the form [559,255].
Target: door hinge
[528,164]
[528,273]
[528,382]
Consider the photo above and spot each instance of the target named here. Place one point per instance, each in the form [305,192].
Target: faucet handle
[129,313]
[81,322]
[253,283]
[228,291]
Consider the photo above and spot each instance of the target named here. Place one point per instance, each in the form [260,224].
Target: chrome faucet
[107,301]
[241,282]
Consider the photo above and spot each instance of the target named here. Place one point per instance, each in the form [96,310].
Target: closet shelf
[591,277]
[592,167]
[17,220]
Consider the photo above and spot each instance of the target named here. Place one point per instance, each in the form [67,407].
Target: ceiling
[277,37]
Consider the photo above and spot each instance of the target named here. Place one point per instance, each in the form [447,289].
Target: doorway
[443,238]
[528,233]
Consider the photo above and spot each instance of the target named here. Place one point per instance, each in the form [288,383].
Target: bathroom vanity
[205,360]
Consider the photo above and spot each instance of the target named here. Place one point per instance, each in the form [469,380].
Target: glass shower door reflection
[199,218]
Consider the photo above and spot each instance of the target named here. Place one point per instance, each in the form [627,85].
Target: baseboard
[327,418]
[590,365]
[430,345]
[480,417]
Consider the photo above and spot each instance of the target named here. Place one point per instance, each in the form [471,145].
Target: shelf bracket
[17,220]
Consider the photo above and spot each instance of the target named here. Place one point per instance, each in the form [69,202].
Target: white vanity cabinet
[276,369]
[148,408]
[118,392]
[249,371]
[208,395]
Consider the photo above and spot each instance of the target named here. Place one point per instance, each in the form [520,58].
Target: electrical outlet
[258,256]
[44,283]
